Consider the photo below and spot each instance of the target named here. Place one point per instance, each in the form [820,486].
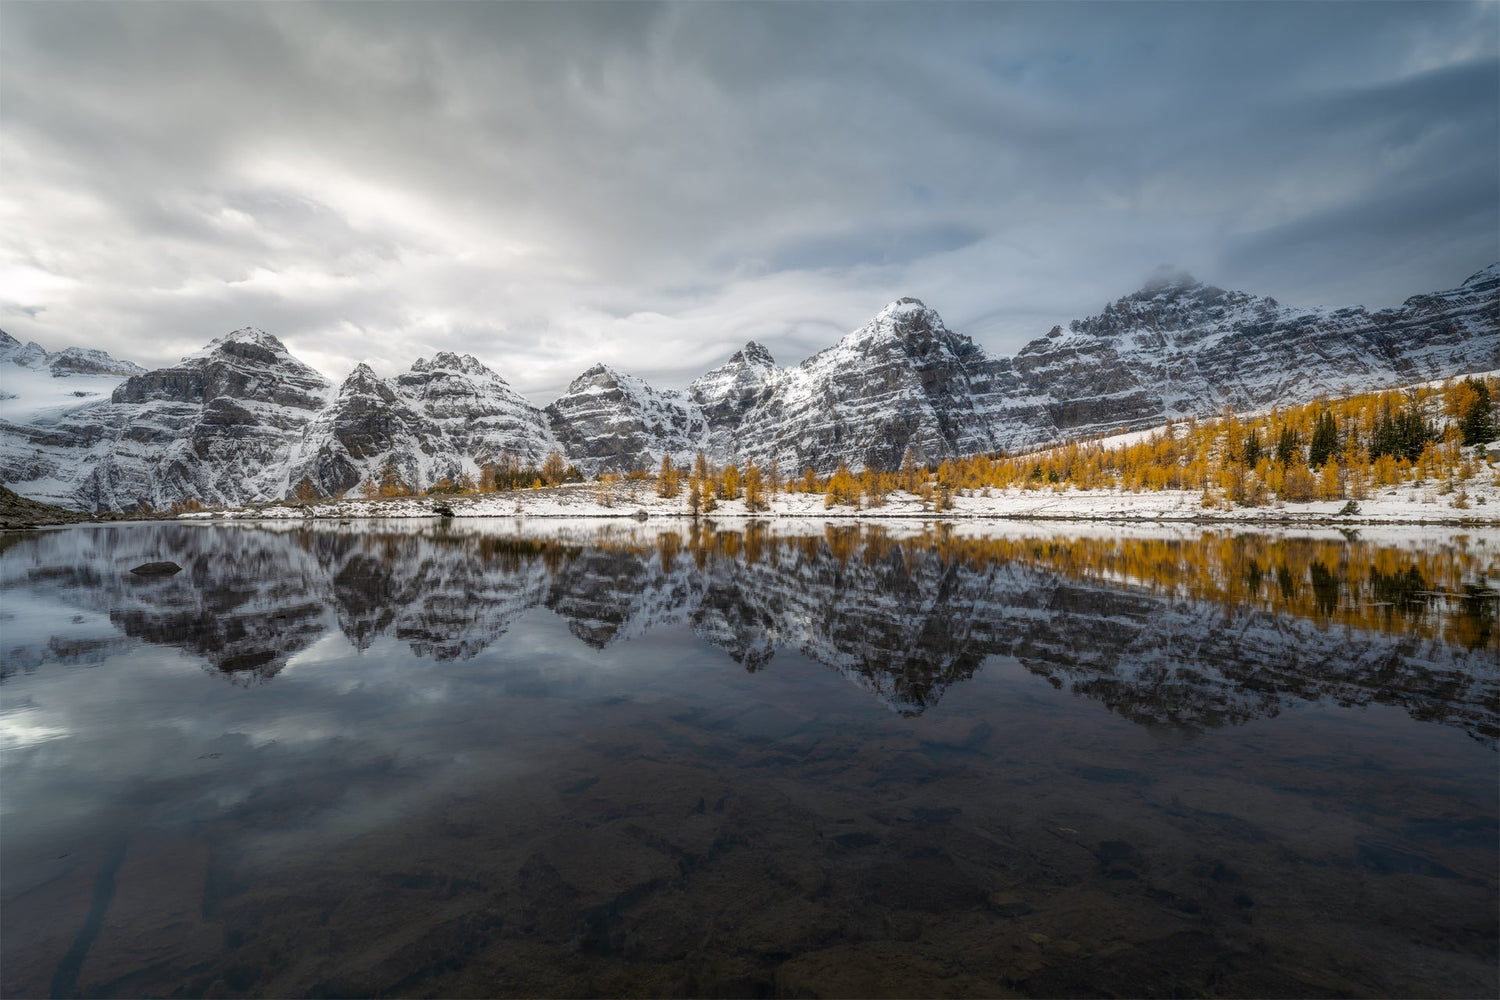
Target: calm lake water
[617,759]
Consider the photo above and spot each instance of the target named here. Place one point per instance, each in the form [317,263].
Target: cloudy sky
[546,186]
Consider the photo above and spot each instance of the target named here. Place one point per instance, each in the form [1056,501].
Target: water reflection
[472,760]
[1193,631]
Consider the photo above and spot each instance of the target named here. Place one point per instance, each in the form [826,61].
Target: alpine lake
[615,758]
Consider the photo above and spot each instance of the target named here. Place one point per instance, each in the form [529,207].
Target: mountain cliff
[243,420]
[438,420]
[218,426]
[1180,348]
[610,421]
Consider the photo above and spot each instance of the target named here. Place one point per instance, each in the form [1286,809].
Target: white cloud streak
[546,186]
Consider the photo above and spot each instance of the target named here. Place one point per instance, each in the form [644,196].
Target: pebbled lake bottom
[585,759]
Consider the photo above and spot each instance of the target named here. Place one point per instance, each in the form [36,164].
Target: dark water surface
[461,759]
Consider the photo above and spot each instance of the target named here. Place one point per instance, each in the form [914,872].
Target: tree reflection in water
[1191,631]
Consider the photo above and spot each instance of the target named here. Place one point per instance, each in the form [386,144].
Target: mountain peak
[449,361]
[251,335]
[898,321]
[903,306]
[248,343]
[753,353]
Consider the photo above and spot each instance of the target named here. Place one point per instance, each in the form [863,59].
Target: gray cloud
[547,185]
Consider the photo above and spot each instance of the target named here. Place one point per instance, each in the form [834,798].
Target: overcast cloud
[549,185]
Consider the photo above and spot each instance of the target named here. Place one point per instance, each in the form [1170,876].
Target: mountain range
[243,420]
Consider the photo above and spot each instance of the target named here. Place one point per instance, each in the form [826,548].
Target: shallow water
[465,759]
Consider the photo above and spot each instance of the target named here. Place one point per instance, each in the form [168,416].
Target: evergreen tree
[1477,422]
[1251,451]
[1325,440]
[1288,447]
[1403,434]
[911,473]
[391,482]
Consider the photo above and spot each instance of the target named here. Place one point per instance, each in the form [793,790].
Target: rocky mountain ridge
[68,361]
[243,420]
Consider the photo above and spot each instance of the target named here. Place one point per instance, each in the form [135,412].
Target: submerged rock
[157,569]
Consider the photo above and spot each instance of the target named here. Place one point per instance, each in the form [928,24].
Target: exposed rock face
[218,427]
[440,419]
[68,361]
[1179,348]
[734,388]
[243,420]
[608,420]
[903,380]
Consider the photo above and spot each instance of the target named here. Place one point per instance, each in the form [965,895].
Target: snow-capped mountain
[901,380]
[243,420]
[1179,348]
[438,420]
[904,380]
[217,426]
[38,387]
[63,363]
[608,420]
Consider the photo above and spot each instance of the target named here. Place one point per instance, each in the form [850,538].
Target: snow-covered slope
[901,380]
[39,388]
[438,420]
[904,380]
[610,421]
[243,420]
[1180,348]
[218,427]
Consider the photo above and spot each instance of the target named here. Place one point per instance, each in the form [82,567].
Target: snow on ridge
[901,380]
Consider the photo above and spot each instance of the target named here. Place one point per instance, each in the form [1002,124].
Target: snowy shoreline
[1402,505]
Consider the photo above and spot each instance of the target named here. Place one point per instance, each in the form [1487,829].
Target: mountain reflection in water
[476,758]
[1193,631]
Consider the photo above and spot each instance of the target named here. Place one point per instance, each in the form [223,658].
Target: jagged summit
[597,377]
[66,362]
[246,335]
[245,420]
[1485,280]
[901,320]
[753,353]
[449,361]
[905,311]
